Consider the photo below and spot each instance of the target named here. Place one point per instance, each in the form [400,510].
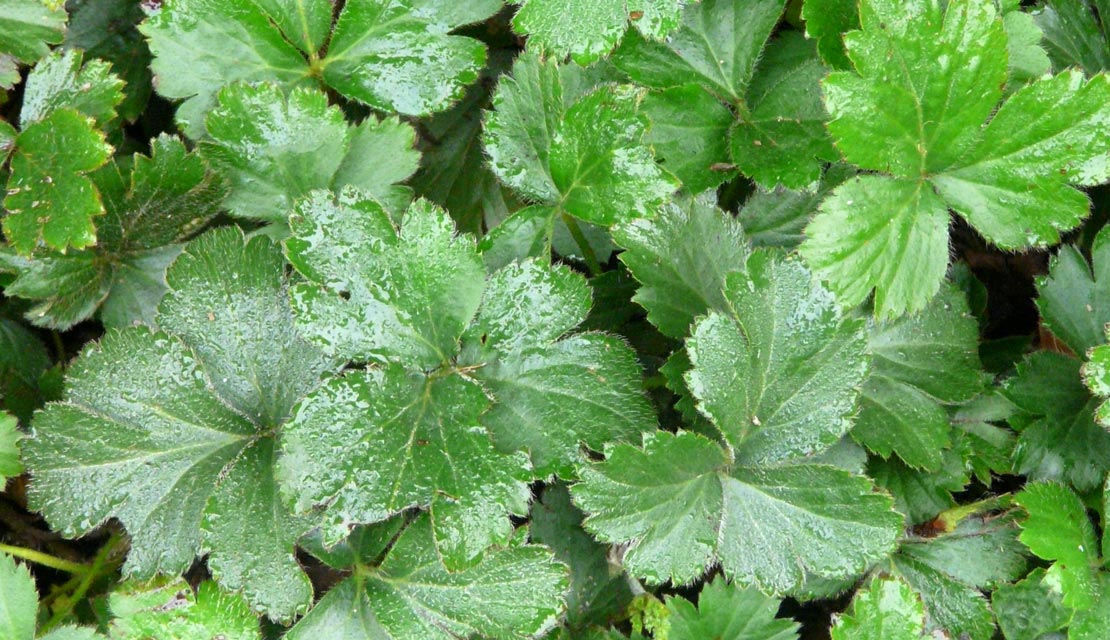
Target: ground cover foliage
[574,319]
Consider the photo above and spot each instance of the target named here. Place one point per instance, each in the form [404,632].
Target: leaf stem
[45,559]
[103,563]
[583,244]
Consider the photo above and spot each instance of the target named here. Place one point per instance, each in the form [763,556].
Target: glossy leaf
[50,199]
[277,149]
[728,611]
[887,609]
[1058,530]
[1073,35]
[513,593]
[586,30]
[680,508]
[61,81]
[27,29]
[186,465]
[1074,298]
[681,259]
[778,371]
[175,610]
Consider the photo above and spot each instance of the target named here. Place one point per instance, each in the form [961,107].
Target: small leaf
[1073,35]
[61,81]
[827,21]
[729,611]
[10,466]
[1074,298]
[1029,609]
[586,30]
[1059,530]
[21,601]
[28,28]
[174,610]
[50,197]
[23,360]
[513,593]
[887,609]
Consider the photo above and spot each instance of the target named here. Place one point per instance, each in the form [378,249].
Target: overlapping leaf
[728,611]
[151,205]
[175,610]
[27,29]
[584,158]
[187,464]
[586,30]
[897,120]
[1058,530]
[515,592]
[887,609]
[275,149]
[393,55]
[1074,35]
[407,296]
[722,51]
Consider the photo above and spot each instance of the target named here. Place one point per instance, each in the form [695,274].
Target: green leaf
[921,495]
[409,292]
[1059,439]
[1073,35]
[586,158]
[1074,298]
[921,362]
[1059,530]
[1029,609]
[586,30]
[392,56]
[1091,624]
[778,217]
[681,258]
[887,609]
[779,371]
[513,593]
[690,135]
[10,466]
[187,465]
[174,610]
[50,199]
[61,81]
[598,590]
[20,601]
[1096,375]
[106,29]
[385,55]
[276,149]
[161,201]
[881,233]
[23,360]
[728,611]
[827,21]
[27,29]
[680,508]
[950,586]
[1028,60]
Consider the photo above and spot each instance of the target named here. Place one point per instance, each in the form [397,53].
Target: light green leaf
[1073,35]
[19,602]
[72,633]
[680,508]
[779,371]
[187,465]
[28,28]
[61,81]
[408,292]
[1059,530]
[728,611]
[598,589]
[385,55]
[1091,624]
[171,609]
[920,363]
[586,30]
[1046,136]
[881,233]
[513,593]
[160,202]
[10,435]
[1096,375]
[586,158]
[1028,60]
[193,40]
[1074,298]
[887,609]
[23,360]
[681,259]
[50,198]
[276,149]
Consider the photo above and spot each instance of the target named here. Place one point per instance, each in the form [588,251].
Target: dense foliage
[576,319]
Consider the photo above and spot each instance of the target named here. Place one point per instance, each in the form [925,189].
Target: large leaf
[187,464]
[149,210]
[586,30]
[514,592]
[1058,530]
[584,157]
[681,259]
[779,371]
[897,119]
[390,54]
[276,149]
[680,508]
